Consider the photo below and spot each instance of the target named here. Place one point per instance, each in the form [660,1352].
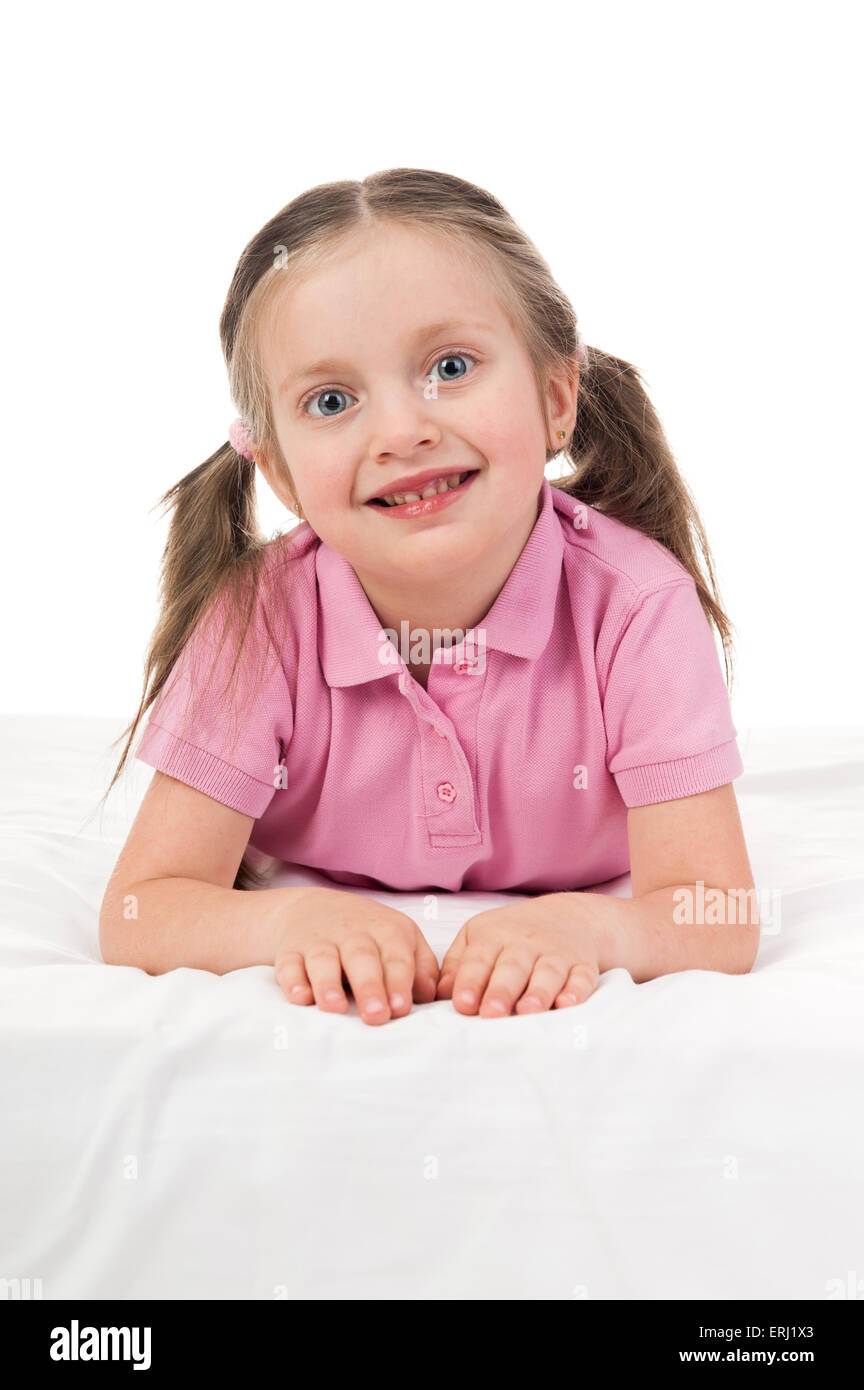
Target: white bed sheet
[196,1136]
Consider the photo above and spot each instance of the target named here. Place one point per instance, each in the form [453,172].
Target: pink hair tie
[238,437]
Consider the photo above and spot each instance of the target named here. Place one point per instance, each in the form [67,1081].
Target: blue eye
[331,393]
[326,395]
[453,357]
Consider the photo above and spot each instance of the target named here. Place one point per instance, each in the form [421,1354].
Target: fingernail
[333,996]
[467,996]
[298,989]
[530,1003]
[396,1001]
[496,1006]
[374,1006]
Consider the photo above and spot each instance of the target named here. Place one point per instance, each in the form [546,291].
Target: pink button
[446,791]
[463,666]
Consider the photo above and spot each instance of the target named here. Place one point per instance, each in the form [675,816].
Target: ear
[562,393]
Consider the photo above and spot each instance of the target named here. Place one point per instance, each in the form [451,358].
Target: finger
[444,987]
[425,970]
[581,982]
[291,977]
[472,976]
[506,982]
[324,969]
[361,961]
[397,959]
[450,964]
[546,982]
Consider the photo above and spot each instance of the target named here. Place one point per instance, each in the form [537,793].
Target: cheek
[322,482]
[505,423]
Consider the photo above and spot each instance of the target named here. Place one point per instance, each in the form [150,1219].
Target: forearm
[660,933]
[165,923]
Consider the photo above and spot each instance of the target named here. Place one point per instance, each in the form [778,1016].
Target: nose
[400,425]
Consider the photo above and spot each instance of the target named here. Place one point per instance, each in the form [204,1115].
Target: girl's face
[393,360]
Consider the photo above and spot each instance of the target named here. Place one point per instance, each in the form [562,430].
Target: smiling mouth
[434,488]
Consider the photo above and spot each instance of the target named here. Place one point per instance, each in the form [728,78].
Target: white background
[690,172]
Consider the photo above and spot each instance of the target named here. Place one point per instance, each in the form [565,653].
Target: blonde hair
[618,459]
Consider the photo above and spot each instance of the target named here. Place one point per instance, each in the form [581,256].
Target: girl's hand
[382,953]
[536,954]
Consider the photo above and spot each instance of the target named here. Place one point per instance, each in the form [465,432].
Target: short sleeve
[669,730]
[220,731]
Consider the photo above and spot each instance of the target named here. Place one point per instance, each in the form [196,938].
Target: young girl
[453,674]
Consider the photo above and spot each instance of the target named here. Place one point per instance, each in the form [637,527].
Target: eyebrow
[328,365]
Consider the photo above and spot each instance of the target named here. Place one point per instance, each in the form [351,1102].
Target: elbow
[741,929]
[109,939]
[104,926]
[114,938]
[746,952]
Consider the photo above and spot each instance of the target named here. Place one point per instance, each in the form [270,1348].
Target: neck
[460,602]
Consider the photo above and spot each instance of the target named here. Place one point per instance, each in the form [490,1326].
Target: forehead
[379,284]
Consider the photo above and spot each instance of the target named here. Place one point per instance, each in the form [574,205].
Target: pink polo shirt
[592,684]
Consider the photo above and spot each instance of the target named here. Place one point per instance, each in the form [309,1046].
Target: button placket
[447,788]
[448,791]
[463,680]
[462,798]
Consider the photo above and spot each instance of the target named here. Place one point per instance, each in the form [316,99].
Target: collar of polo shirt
[519,621]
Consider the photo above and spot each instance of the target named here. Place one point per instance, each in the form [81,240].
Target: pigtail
[625,468]
[213,549]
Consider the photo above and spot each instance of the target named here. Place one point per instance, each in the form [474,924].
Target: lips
[425,506]
[428,487]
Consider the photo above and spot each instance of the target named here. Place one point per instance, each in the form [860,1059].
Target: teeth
[432,489]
